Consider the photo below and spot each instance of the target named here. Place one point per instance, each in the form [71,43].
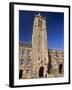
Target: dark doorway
[60,68]
[20,74]
[41,70]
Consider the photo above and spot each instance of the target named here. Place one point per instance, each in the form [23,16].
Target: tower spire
[39,48]
[39,14]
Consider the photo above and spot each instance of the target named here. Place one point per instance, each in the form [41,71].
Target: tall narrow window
[21,61]
[38,58]
[22,51]
[39,23]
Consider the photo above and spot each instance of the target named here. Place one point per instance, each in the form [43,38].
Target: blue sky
[54,23]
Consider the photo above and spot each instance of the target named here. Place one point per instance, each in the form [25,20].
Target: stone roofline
[40,17]
[30,46]
[22,42]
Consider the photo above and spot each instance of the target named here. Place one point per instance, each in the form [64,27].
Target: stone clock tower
[39,48]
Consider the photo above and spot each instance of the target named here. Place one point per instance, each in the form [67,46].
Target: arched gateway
[41,71]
